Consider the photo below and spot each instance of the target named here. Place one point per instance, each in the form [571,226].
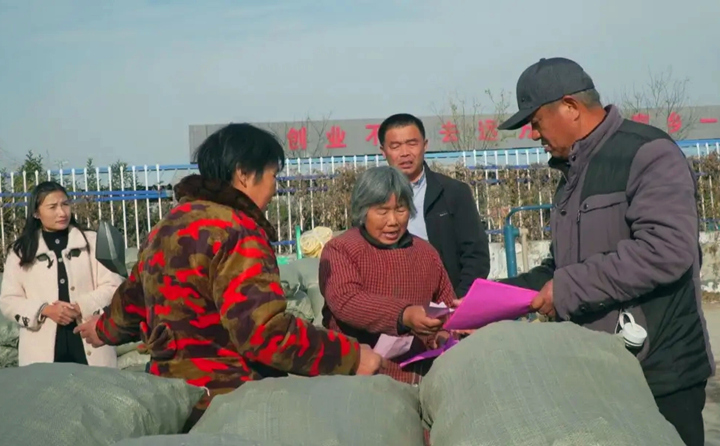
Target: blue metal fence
[139,191]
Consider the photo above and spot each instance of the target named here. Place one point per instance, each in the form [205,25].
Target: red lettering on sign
[643,118]
[525,132]
[373,135]
[336,138]
[297,139]
[708,120]
[674,122]
[449,132]
[487,130]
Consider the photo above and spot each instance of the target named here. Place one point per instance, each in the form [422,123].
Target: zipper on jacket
[579,243]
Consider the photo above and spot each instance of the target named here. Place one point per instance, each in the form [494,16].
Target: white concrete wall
[537,250]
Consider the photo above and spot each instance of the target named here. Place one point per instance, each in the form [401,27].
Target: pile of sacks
[510,383]
[9,338]
[129,356]
[301,284]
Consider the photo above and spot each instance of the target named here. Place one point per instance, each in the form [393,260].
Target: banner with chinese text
[309,138]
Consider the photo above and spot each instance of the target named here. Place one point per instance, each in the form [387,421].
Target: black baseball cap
[544,82]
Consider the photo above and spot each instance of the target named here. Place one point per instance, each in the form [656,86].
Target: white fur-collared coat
[26,289]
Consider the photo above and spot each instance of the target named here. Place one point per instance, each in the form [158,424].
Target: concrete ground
[712,406]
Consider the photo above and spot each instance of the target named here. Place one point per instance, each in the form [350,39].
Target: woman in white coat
[52,282]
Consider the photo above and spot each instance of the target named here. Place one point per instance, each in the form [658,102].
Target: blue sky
[124,79]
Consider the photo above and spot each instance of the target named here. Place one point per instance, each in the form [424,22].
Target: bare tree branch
[319,129]
[664,102]
[468,121]
[306,138]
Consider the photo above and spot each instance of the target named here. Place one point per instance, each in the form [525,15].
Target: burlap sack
[514,383]
[327,411]
[76,405]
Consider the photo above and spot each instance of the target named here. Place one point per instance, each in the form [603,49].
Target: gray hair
[374,187]
[589,98]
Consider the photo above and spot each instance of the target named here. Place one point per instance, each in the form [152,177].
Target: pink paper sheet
[489,302]
[435,311]
[431,353]
[390,347]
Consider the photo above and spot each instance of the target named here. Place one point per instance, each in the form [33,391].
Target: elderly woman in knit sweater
[377,278]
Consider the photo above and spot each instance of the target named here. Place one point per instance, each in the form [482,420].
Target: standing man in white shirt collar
[447,216]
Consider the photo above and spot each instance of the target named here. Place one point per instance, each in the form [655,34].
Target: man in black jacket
[447,215]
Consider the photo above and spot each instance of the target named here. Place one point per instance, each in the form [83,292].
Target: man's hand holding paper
[489,302]
[544,302]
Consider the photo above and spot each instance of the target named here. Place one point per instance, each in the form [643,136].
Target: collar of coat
[583,149]
[195,187]
[405,240]
[433,189]
[76,241]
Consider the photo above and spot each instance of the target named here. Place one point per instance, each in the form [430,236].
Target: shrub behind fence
[316,198]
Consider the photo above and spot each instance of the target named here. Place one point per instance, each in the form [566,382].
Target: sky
[123,80]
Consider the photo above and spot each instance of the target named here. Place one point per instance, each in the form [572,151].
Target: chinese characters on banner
[336,138]
[525,132]
[674,121]
[488,130]
[373,134]
[643,118]
[447,133]
[297,139]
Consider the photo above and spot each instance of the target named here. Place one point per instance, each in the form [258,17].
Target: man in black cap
[625,235]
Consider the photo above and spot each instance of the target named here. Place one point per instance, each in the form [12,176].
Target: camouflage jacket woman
[205,298]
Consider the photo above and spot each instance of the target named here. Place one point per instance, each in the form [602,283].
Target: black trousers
[69,346]
[683,409]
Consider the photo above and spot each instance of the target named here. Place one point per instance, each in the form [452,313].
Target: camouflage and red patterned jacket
[206,300]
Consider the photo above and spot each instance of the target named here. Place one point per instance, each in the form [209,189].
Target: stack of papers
[485,303]
[390,347]
[451,342]
[436,311]
[489,302]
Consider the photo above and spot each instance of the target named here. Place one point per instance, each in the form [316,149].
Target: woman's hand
[419,323]
[439,340]
[370,362]
[79,318]
[88,332]
[463,333]
[62,313]
[459,334]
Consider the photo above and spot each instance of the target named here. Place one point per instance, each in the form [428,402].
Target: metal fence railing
[315,191]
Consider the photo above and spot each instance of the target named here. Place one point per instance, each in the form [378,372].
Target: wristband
[401,328]
[40,317]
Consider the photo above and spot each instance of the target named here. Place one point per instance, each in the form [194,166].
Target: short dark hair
[399,120]
[238,146]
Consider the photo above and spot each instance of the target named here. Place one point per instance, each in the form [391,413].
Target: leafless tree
[664,102]
[474,122]
[305,138]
